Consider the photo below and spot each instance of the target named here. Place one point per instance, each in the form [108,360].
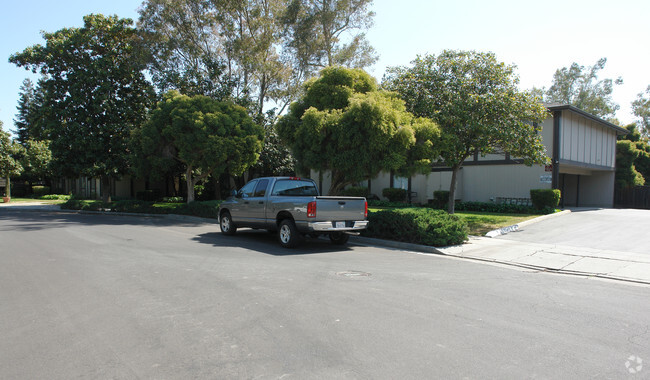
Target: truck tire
[288,234]
[339,238]
[226,224]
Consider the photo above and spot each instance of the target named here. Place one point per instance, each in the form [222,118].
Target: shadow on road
[257,240]
[265,242]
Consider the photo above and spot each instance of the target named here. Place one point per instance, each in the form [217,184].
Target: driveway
[606,243]
[624,230]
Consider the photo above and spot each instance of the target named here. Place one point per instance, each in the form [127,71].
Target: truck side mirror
[233,193]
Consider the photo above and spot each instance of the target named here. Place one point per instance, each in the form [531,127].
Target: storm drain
[353,273]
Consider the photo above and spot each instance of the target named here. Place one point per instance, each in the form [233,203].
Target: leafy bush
[545,198]
[39,191]
[173,199]
[60,197]
[417,225]
[136,206]
[394,195]
[356,191]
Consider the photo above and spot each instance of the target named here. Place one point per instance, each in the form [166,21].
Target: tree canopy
[579,86]
[344,124]
[475,100]
[205,136]
[9,164]
[251,51]
[641,109]
[94,94]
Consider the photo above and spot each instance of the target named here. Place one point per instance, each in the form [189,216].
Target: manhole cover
[353,273]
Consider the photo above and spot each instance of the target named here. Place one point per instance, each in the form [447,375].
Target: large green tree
[345,125]
[475,100]
[9,165]
[579,86]
[23,120]
[95,94]
[206,137]
[257,52]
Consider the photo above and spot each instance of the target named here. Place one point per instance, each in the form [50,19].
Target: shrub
[39,191]
[173,199]
[203,209]
[545,198]
[356,191]
[374,203]
[440,198]
[77,204]
[60,197]
[148,195]
[501,208]
[136,206]
[394,195]
[419,226]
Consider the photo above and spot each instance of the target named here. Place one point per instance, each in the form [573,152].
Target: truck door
[256,208]
[239,210]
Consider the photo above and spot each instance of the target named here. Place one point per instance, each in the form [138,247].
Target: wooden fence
[633,197]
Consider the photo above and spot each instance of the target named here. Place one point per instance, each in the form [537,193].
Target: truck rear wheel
[339,238]
[288,234]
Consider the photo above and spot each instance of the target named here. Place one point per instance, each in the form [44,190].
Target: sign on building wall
[3,182]
[546,178]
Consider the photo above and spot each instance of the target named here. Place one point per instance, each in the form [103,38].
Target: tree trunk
[338,183]
[452,188]
[190,184]
[106,188]
[8,189]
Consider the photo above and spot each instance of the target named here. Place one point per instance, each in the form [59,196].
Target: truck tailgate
[330,208]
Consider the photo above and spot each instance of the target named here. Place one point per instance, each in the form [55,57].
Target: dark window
[260,190]
[247,190]
[290,187]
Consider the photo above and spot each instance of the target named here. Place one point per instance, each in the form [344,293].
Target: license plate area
[339,224]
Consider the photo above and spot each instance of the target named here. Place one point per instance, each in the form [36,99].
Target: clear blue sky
[538,37]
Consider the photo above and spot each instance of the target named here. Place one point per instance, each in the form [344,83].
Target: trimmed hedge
[501,208]
[356,191]
[545,198]
[205,209]
[394,195]
[417,225]
[374,203]
[60,197]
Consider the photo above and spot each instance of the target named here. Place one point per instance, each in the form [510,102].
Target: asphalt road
[624,230]
[97,296]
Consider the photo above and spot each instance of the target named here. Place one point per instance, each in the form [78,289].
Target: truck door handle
[341,203]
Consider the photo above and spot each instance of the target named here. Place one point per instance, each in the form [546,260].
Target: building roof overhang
[568,107]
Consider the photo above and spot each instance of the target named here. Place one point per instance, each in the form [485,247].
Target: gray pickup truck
[292,207]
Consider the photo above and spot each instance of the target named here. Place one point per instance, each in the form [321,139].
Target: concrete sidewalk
[616,265]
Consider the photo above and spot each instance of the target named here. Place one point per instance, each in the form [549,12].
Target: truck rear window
[288,187]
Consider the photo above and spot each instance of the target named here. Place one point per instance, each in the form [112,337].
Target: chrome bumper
[331,226]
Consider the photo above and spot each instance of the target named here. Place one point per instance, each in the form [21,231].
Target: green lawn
[480,223]
[32,200]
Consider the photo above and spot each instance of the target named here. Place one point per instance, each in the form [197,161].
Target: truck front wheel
[288,234]
[225,222]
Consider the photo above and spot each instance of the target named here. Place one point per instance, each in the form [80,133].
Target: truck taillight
[365,214]
[311,209]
